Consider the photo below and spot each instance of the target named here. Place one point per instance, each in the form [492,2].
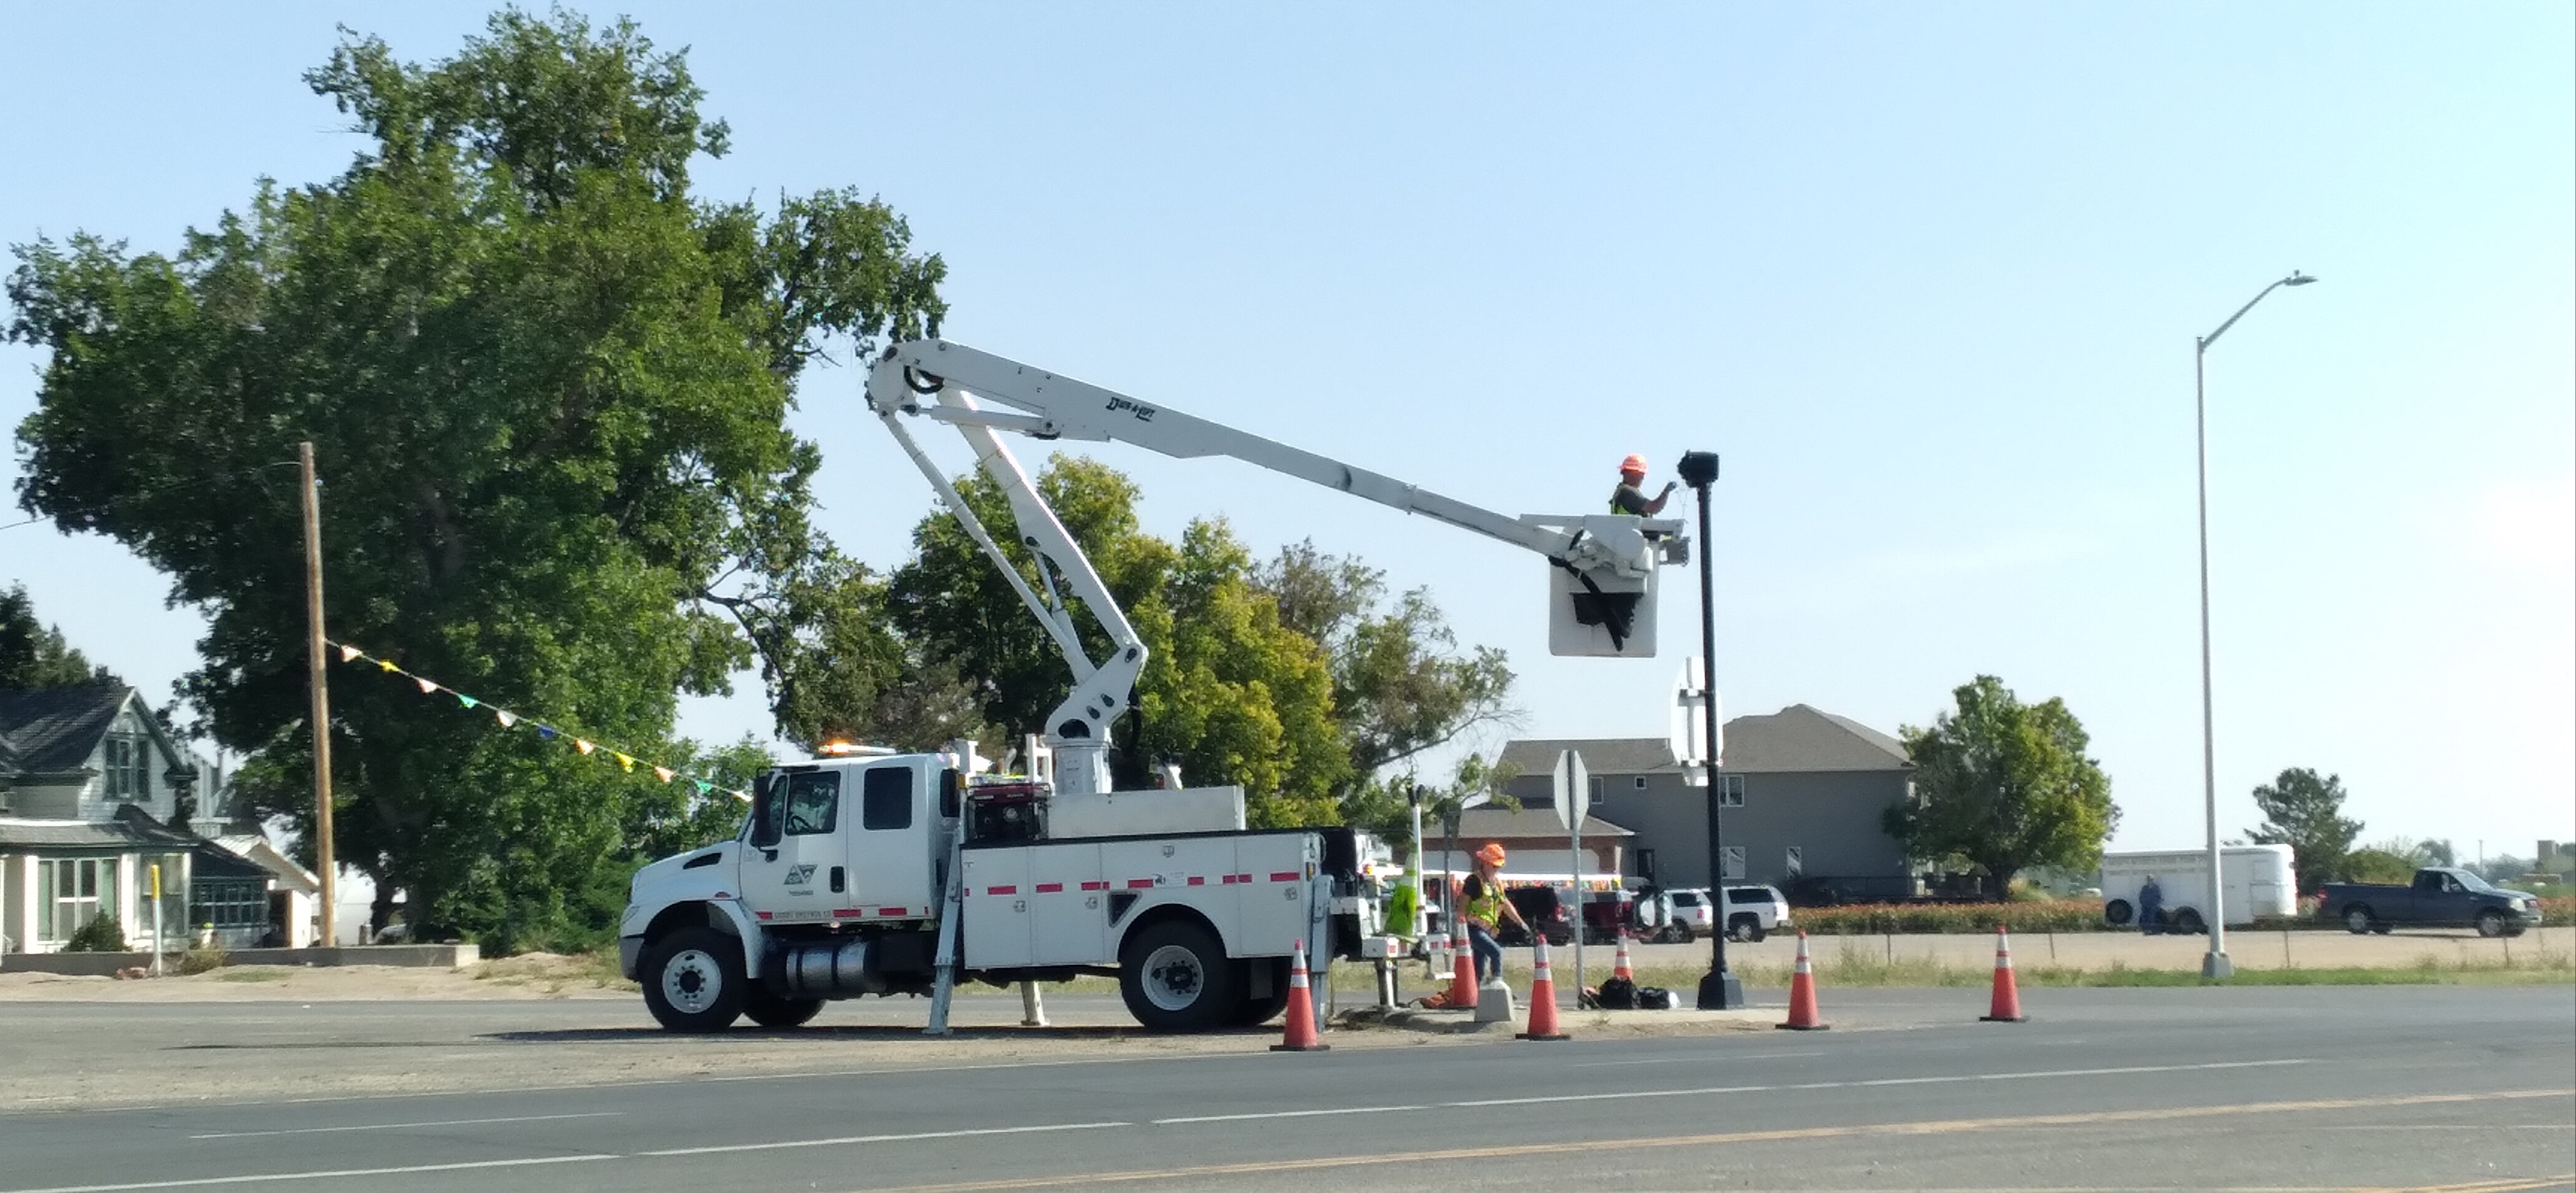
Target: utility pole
[320,681]
[1719,990]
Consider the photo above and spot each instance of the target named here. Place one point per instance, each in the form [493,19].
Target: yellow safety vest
[1487,906]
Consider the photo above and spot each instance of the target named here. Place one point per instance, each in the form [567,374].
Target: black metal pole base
[1719,991]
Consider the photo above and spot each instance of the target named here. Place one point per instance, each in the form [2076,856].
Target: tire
[2491,923]
[779,1013]
[2188,922]
[1255,1011]
[1744,929]
[1175,977]
[1682,933]
[2356,920]
[2118,913]
[693,980]
[1760,933]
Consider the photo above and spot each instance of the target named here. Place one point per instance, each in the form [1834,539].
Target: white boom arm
[1608,555]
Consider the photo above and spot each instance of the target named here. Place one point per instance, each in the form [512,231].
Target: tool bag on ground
[1654,998]
[1617,994]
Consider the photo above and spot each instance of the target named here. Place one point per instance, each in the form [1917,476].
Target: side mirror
[952,794]
[764,812]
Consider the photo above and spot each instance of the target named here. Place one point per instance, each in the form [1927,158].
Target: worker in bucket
[1630,497]
[1486,910]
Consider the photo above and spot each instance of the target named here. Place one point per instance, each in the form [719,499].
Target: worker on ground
[1630,497]
[2151,907]
[1486,910]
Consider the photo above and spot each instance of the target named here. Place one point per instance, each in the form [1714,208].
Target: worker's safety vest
[1487,905]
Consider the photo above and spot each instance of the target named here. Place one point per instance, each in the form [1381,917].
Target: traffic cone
[1462,971]
[1802,994]
[2007,1008]
[1302,1036]
[1542,1016]
[1619,962]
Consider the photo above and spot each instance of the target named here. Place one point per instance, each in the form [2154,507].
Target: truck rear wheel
[2188,922]
[1175,977]
[693,980]
[2356,920]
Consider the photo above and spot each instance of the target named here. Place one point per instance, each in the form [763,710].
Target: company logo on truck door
[800,875]
[1143,412]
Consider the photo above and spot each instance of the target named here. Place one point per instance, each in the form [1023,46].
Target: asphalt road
[2465,1089]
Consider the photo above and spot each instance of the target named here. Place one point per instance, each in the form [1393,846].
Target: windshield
[2471,881]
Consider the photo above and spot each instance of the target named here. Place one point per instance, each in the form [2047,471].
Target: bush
[202,959]
[100,935]
[2558,912]
[2053,915]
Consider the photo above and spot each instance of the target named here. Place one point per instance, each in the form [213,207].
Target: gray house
[1803,792]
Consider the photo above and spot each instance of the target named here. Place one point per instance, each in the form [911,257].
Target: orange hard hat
[1492,852]
[1636,464]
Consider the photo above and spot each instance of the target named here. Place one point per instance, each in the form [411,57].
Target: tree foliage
[2305,812]
[547,393]
[35,655]
[1289,679]
[2003,786]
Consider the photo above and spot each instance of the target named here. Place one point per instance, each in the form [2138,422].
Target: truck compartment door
[1271,870]
[997,909]
[1069,906]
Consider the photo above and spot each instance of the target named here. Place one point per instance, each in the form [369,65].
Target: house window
[1730,791]
[125,780]
[71,892]
[230,902]
[1639,782]
[1731,863]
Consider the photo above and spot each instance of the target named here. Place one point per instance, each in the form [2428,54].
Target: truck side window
[886,800]
[813,803]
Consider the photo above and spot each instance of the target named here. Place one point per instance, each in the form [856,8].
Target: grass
[255,973]
[1852,970]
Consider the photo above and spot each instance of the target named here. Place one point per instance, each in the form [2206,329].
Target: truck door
[801,877]
[889,868]
[2439,897]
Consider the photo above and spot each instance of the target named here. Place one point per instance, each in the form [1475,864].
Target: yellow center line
[1928,1127]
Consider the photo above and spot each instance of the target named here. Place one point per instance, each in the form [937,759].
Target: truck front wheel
[2356,920]
[693,980]
[1175,977]
[2490,923]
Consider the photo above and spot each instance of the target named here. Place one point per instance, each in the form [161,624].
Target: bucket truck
[868,872]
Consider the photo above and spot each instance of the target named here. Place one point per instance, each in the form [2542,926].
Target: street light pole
[2216,964]
[1719,991]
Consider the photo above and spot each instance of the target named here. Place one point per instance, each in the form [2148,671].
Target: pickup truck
[2440,896]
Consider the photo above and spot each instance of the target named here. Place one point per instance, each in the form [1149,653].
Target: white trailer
[2260,882]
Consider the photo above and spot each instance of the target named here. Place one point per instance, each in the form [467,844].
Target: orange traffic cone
[2007,1008]
[1302,1036]
[1462,972]
[1619,962]
[1802,994]
[1542,1016]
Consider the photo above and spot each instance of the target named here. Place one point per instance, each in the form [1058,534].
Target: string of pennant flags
[509,719]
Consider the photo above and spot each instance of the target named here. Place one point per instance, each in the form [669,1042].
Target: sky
[1928,279]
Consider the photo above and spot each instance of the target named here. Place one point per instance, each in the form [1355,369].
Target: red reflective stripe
[1195,880]
[1138,884]
[764,915]
[1243,878]
[848,912]
[1284,876]
[886,911]
[1001,890]
[1095,886]
[1049,888]
[1230,879]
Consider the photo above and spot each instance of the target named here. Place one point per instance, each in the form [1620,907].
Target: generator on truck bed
[874,873]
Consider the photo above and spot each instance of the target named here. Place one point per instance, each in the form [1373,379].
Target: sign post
[1573,802]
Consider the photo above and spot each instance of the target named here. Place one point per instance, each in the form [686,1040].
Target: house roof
[1799,738]
[259,852]
[52,730]
[1486,822]
[133,830]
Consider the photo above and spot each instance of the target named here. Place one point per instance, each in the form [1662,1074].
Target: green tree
[2004,785]
[34,655]
[1400,684]
[2305,812]
[2378,864]
[547,391]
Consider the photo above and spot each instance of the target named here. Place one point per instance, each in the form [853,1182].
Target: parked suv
[1752,912]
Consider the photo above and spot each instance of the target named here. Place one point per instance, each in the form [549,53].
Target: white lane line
[1711,1058]
[447,1122]
[270,1177]
[847,1140]
[1813,1085]
[1236,1118]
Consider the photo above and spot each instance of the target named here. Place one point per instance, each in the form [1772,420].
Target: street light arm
[2295,279]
